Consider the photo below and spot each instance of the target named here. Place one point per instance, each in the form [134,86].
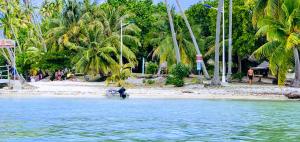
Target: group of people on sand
[39,75]
[59,74]
[64,74]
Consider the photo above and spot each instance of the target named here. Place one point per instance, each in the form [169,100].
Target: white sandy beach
[69,89]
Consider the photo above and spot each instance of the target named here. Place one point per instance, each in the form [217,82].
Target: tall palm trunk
[239,64]
[216,79]
[193,38]
[230,43]
[37,27]
[296,82]
[39,31]
[176,47]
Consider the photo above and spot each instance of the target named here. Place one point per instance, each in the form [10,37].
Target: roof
[7,43]
[263,65]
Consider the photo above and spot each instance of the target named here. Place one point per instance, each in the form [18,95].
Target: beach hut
[262,70]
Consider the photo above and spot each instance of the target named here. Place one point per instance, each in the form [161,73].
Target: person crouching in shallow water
[122,93]
[250,75]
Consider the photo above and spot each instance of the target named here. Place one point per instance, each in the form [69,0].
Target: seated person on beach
[250,75]
[59,75]
[71,76]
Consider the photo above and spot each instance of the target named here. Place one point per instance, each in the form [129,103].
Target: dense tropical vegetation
[85,36]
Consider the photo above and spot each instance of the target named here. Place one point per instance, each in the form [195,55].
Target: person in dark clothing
[13,72]
[250,75]
[40,73]
[122,92]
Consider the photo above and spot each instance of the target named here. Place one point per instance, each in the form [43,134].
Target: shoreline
[69,89]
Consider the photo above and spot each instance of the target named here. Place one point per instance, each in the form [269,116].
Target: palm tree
[36,25]
[93,34]
[50,9]
[281,25]
[193,38]
[164,47]
[96,59]
[173,33]
[111,18]
[160,39]
[230,43]
[15,20]
[63,29]
[12,20]
[120,77]
[98,44]
[216,79]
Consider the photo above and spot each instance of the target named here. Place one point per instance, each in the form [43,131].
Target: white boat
[115,94]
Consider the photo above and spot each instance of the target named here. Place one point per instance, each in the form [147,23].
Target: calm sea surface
[58,119]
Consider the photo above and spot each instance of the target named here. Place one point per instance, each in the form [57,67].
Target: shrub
[180,71]
[151,68]
[178,82]
[119,76]
[177,74]
[238,76]
[150,81]
[169,80]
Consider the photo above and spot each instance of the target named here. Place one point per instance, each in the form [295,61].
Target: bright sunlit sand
[70,89]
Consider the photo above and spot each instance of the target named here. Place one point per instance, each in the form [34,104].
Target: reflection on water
[147,120]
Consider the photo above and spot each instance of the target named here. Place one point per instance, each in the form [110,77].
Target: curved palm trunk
[230,43]
[12,28]
[173,33]
[5,56]
[16,38]
[193,38]
[296,82]
[216,79]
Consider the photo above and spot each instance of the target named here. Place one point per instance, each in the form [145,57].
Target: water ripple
[147,120]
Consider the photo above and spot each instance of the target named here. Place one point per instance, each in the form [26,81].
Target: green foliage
[177,74]
[279,22]
[161,40]
[55,60]
[150,82]
[86,36]
[144,81]
[174,80]
[96,47]
[238,76]
[180,71]
[169,80]
[198,10]
[119,76]
[151,68]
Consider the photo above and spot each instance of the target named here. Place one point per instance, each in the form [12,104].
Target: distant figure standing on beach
[40,73]
[250,75]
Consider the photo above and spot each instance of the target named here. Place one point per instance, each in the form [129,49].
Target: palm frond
[293,40]
[265,50]
[259,10]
